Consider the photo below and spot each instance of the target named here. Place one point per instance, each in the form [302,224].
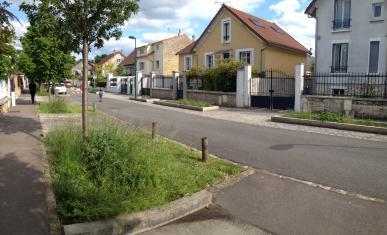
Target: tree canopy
[98,58]
[46,56]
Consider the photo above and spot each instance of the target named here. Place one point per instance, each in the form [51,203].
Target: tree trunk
[85,119]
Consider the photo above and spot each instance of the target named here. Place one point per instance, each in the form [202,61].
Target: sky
[157,20]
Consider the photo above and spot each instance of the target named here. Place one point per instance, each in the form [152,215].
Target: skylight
[278,30]
[256,22]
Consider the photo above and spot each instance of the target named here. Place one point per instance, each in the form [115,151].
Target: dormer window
[226,31]
[342,12]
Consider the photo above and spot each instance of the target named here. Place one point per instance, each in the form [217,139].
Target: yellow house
[236,35]
[111,62]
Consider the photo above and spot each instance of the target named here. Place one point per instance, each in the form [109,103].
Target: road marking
[324,187]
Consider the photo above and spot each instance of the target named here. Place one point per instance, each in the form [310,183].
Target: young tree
[46,56]
[90,22]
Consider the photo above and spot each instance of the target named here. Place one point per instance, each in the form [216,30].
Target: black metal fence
[195,83]
[161,81]
[360,85]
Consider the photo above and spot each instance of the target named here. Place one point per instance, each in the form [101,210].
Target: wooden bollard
[155,126]
[204,149]
[94,107]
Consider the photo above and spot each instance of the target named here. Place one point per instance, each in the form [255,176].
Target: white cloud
[20,30]
[293,20]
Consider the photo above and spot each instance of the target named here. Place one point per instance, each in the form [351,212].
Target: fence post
[243,96]
[175,80]
[185,85]
[155,127]
[204,149]
[298,86]
[151,78]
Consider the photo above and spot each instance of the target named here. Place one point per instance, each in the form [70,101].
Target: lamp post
[135,65]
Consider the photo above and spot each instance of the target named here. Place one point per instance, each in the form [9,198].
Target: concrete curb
[59,115]
[334,125]
[202,109]
[145,220]
[145,100]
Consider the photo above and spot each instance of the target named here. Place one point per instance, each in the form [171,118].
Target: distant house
[350,35]
[160,57]
[236,35]
[130,64]
[111,62]
[77,69]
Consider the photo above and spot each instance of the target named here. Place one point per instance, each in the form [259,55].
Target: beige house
[236,35]
[160,57]
[77,68]
[110,62]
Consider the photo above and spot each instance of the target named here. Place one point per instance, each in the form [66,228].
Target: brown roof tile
[107,58]
[129,60]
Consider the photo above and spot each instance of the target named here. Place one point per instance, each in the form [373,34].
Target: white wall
[158,56]
[361,31]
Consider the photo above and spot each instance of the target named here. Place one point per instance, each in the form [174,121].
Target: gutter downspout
[261,57]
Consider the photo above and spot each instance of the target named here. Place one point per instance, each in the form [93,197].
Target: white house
[351,35]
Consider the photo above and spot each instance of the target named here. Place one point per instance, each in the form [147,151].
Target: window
[245,55]
[142,65]
[226,31]
[157,47]
[226,55]
[374,57]
[256,22]
[118,61]
[377,10]
[339,58]
[141,51]
[113,82]
[157,64]
[209,60]
[187,63]
[338,92]
[342,18]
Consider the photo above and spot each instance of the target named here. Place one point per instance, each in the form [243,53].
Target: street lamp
[135,65]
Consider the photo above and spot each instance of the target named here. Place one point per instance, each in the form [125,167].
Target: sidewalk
[22,191]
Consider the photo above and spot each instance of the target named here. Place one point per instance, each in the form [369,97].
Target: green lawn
[42,93]
[59,105]
[333,117]
[196,103]
[122,170]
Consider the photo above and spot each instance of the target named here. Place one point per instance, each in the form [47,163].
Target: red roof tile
[107,58]
[269,32]
[129,60]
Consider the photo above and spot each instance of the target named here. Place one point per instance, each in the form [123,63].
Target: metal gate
[124,86]
[145,89]
[179,89]
[273,89]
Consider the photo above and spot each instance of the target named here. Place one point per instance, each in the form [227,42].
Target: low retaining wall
[358,107]
[215,97]
[162,93]
[5,104]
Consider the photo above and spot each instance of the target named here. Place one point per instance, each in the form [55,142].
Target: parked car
[61,88]
[67,84]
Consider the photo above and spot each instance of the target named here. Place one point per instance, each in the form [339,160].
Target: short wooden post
[94,107]
[154,129]
[204,149]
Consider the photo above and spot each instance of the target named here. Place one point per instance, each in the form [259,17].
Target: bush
[219,78]
[122,170]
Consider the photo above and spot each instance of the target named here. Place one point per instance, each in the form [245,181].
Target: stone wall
[5,104]
[162,93]
[218,98]
[358,107]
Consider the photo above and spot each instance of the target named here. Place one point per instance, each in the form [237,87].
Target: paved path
[22,190]
[353,165]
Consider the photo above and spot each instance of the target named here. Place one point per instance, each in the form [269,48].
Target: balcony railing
[339,69]
[341,24]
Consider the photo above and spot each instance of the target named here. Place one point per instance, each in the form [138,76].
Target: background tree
[46,56]
[98,58]
[7,34]
[120,71]
[89,23]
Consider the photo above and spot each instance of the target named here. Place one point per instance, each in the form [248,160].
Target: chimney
[193,37]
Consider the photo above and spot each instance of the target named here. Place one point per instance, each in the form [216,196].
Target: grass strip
[123,170]
[192,102]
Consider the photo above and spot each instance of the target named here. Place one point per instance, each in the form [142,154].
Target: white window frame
[139,65]
[185,64]
[369,54]
[157,64]
[373,10]
[348,54]
[226,20]
[118,61]
[251,50]
[205,59]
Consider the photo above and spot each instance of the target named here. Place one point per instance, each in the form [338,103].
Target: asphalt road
[343,163]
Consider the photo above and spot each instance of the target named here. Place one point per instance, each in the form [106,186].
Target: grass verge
[42,93]
[59,105]
[196,103]
[122,170]
[333,117]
